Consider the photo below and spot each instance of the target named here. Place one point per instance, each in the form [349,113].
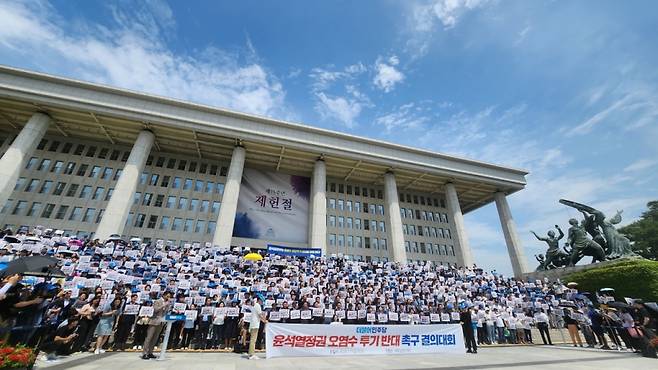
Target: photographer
[62,341]
[29,312]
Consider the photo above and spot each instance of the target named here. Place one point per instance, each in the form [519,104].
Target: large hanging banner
[300,340]
[273,206]
[296,252]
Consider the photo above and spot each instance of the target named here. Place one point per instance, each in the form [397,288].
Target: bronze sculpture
[582,245]
[605,243]
[617,245]
[554,256]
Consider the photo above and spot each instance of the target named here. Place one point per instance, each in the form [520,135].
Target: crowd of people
[124,291]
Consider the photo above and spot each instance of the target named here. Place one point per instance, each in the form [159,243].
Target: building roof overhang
[91,111]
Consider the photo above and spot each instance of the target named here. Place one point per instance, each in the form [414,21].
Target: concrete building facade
[95,161]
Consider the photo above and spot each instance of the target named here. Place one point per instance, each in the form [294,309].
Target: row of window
[351,241]
[58,189]
[176,183]
[429,248]
[38,209]
[171,201]
[349,223]
[419,199]
[423,215]
[186,225]
[108,173]
[58,167]
[92,151]
[346,205]
[426,231]
[358,190]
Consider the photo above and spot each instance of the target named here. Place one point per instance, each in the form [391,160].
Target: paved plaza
[516,357]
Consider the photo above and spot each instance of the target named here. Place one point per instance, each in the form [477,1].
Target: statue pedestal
[561,272]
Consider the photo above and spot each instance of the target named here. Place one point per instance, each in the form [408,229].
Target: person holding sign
[231,329]
[203,325]
[219,314]
[125,323]
[106,324]
[156,322]
[257,316]
[188,329]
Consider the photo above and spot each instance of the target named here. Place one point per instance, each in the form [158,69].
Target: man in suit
[155,323]
[467,327]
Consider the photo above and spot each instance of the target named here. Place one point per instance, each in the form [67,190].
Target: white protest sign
[131,309]
[146,311]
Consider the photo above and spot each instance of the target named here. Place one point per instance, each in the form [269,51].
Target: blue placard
[292,251]
[175,317]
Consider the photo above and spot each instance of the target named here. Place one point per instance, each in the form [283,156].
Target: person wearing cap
[257,316]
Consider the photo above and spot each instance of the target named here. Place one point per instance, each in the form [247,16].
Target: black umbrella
[12,239]
[47,272]
[29,265]
[564,303]
[618,305]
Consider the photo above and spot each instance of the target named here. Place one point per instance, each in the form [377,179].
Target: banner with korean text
[273,206]
[299,340]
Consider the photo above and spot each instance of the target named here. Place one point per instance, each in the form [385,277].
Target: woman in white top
[218,326]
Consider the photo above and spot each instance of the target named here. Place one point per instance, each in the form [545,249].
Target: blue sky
[567,90]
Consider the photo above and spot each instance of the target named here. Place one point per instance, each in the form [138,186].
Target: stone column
[318,214]
[226,218]
[117,209]
[464,254]
[13,161]
[514,247]
[393,219]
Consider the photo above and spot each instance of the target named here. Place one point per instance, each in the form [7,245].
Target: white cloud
[294,73]
[589,124]
[487,243]
[640,165]
[630,105]
[345,110]
[387,76]
[346,106]
[133,55]
[324,78]
[425,15]
[406,116]
[449,11]
[522,35]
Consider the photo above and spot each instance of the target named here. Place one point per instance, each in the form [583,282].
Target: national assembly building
[96,161]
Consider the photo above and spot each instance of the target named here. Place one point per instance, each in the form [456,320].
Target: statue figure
[542,261]
[617,244]
[593,230]
[554,255]
[581,245]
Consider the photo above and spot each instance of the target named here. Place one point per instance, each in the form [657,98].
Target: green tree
[644,232]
